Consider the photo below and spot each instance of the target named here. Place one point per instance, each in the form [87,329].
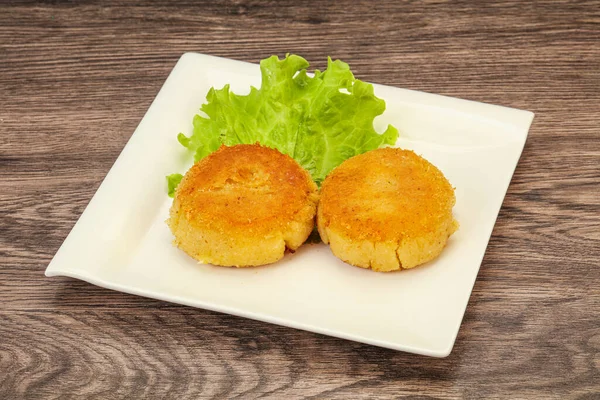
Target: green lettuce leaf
[320,121]
[172,183]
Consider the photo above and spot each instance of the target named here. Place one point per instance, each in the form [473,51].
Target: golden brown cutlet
[386,209]
[242,206]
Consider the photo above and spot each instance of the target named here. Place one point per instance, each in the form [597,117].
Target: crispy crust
[242,206]
[386,209]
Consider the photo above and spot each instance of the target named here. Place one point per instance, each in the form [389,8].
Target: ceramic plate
[121,241]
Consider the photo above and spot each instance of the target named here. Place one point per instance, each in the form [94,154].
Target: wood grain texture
[75,80]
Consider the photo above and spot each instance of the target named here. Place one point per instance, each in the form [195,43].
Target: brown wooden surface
[75,80]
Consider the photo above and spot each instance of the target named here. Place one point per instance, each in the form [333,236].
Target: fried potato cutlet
[386,209]
[242,206]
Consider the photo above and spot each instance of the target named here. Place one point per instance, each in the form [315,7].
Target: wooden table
[75,80]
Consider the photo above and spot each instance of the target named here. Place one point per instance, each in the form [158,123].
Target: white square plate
[121,241]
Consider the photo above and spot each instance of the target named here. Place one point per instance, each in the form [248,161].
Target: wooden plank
[75,80]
